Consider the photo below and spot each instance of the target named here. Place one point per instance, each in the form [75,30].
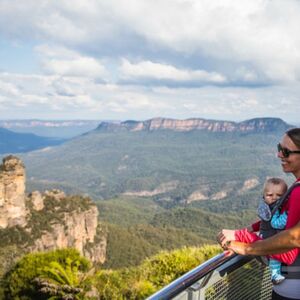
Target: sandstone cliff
[49,220]
[253,125]
[12,193]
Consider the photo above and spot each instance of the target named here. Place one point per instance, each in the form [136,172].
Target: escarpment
[253,125]
[47,220]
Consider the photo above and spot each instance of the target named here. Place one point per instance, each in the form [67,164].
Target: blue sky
[138,59]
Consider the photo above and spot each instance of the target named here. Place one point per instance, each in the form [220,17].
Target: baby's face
[273,192]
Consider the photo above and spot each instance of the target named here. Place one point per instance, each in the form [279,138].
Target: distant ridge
[13,142]
[46,123]
[51,128]
[179,160]
[252,125]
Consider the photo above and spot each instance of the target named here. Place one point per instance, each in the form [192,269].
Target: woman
[289,289]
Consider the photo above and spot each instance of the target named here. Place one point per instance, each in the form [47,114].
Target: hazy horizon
[123,120]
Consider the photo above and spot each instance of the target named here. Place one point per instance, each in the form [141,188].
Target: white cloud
[8,89]
[263,33]
[150,70]
[82,66]
[62,61]
[47,51]
[173,56]
[42,96]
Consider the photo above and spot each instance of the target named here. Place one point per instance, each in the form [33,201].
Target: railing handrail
[191,277]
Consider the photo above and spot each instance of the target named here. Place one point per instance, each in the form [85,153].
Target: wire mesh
[220,278]
[251,281]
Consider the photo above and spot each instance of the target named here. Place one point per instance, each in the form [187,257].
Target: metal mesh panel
[221,278]
[249,282]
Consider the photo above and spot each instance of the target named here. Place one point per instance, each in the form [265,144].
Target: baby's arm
[243,235]
[247,234]
[278,220]
[249,229]
[255,226]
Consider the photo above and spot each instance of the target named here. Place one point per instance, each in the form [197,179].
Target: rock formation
[37,200]
[253,125]
[74,229]
[12,193]
[161,189]
[49,220]
[248,185]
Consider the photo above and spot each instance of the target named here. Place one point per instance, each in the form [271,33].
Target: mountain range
[218,161]
[163,183]
[61,130]
[50,128]
[13,142]
[252,125]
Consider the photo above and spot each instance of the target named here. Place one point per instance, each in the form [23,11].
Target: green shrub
[20,282]
[154,273]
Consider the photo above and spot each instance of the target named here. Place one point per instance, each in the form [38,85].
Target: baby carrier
[266,212]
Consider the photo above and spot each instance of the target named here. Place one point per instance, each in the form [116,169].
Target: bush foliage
[20,281]
[154,273]
[64,274]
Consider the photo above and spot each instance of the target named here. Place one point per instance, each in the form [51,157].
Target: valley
[155,187]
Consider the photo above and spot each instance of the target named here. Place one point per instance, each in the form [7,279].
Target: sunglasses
[285,151]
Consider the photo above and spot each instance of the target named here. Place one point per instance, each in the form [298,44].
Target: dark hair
[294,135]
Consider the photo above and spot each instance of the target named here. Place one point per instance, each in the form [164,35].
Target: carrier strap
[291,272]
[279,203]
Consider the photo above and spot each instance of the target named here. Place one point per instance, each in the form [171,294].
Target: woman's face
[290,164]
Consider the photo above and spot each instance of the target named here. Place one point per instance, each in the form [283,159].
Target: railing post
[192,290]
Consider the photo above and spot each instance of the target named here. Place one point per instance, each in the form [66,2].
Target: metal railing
[223,278]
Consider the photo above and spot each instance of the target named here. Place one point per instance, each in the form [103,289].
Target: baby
[274,188]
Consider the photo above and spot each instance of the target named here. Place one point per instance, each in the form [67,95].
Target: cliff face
[75,229]
[12,193]
[49,220]
[253,125]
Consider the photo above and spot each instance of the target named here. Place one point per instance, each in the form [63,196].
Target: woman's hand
[237,247]
[225,236]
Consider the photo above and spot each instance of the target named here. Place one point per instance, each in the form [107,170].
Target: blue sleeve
[278,220]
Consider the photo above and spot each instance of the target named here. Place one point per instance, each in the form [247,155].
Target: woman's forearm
[279,243]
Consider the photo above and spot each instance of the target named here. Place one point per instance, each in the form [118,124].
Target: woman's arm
[243,235]
[279,243]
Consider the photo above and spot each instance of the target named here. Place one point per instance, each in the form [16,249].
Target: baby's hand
[225,236]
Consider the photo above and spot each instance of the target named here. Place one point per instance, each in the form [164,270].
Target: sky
[139,59]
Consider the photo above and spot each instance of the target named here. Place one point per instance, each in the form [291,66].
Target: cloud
[139,58]
[8,89]
[62,61]
[263,34]
[68,97]
[164,72]
[83,66]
